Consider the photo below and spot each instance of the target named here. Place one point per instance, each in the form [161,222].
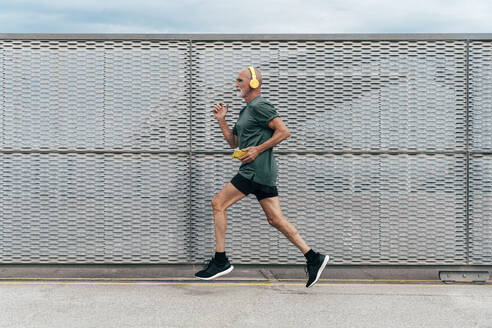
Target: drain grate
[464,276]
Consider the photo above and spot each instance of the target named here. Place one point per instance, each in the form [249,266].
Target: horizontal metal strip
[37,151]
[348,152]
[253,37]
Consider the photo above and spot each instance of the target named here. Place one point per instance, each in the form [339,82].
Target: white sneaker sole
[325,262]
[218,274]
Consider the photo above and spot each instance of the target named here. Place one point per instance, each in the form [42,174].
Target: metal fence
[110,152]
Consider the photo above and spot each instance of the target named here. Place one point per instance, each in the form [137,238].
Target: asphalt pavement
[230,302]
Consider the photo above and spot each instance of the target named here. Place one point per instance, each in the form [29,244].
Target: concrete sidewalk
[246,303]
[241,271]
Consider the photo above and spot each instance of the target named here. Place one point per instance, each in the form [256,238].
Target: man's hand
[253,152]
[220,111]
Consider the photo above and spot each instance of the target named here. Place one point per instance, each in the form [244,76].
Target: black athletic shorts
[247,187]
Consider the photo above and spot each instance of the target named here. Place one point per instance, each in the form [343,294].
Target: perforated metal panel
[380,208]
[360,95]
[480,135]
[97,135]
[95,95]
[78,184]
[403,209]
[345,96]
[480,99]
[481,209]
[94,208]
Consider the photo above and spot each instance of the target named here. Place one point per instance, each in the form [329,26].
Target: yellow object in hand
[238,153]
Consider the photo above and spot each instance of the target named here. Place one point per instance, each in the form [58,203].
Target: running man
[257,130]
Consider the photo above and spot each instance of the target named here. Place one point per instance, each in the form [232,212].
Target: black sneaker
[214,270]
[315,268]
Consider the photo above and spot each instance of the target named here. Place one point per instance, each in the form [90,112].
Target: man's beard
[240,93]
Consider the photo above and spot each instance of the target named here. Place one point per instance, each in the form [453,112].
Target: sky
[246,16]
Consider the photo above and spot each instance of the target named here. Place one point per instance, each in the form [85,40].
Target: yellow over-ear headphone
[254,83]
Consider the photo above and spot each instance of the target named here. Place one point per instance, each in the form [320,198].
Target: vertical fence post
[190,246]
[467,154]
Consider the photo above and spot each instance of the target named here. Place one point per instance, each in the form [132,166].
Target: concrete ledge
[240,272]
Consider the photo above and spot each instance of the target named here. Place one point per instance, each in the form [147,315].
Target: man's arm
[220,113]
[226,131]
[280,134]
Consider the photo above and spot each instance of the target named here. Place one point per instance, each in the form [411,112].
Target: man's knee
[275,220]
[218,205]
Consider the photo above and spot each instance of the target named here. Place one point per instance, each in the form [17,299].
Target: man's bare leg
[271,207]
[224,199]
[316,262]
[219,265]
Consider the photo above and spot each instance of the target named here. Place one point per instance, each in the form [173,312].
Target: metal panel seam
[3,99]
[467,215]
[190,249]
